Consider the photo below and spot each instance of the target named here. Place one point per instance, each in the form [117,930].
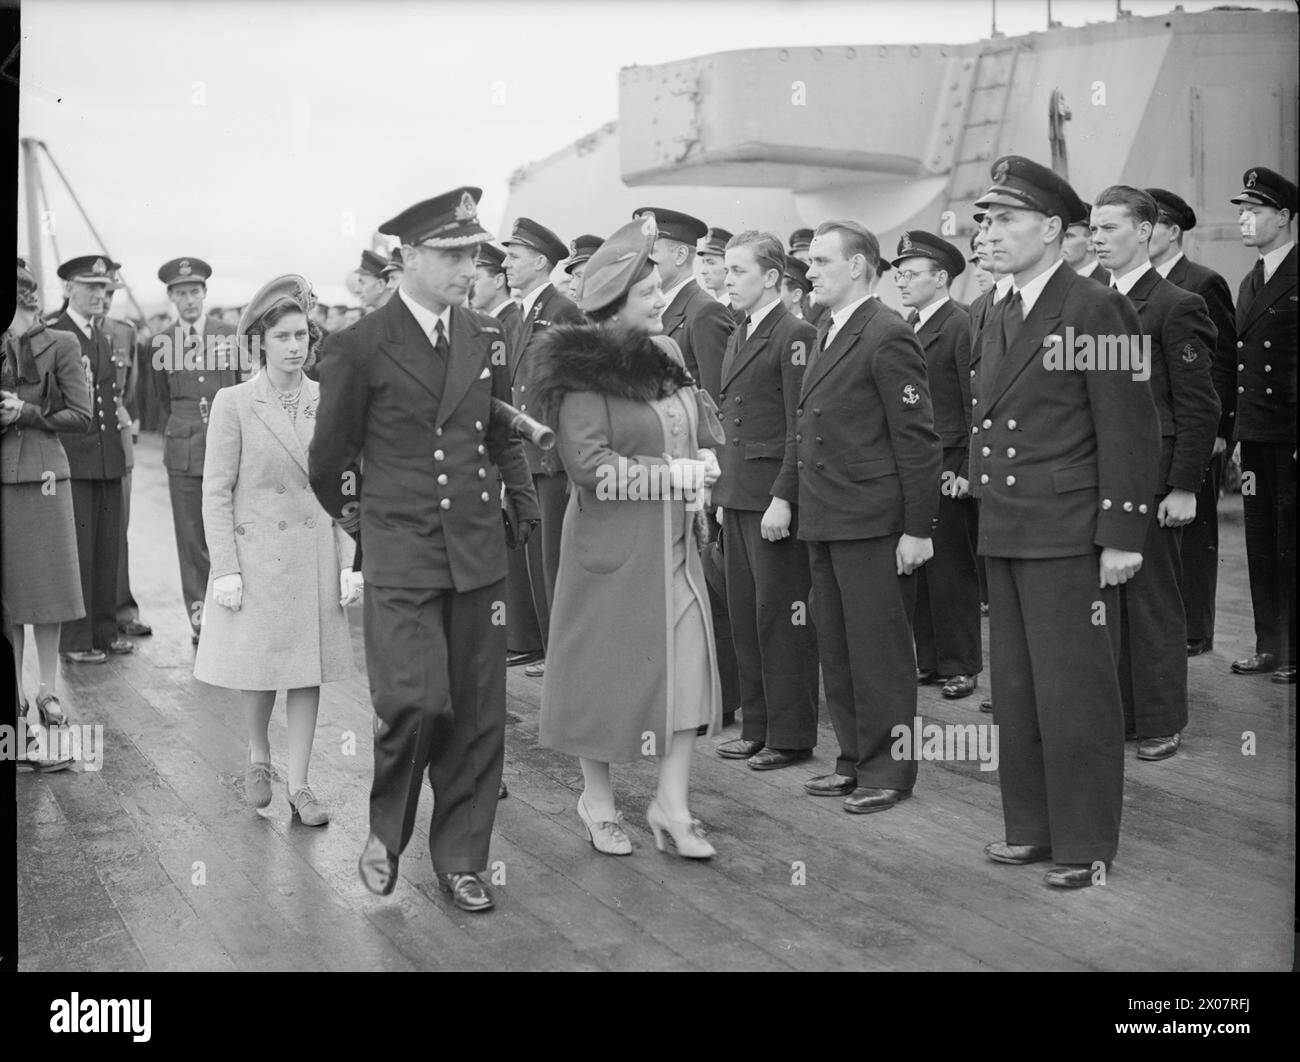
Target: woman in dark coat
[632,670]
[43,391]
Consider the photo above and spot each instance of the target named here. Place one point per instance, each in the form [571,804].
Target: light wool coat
[262,520]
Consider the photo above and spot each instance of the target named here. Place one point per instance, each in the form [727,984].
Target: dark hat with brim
[1265,187]
[796,274]
[801,239]
[580,250]
[714,242]
[490,256]
[914,243]
[529,233]
[89,269]
[445,221]
[613,268]
[674,225]
[1174,207]
[394,263]
[1085,220]
[291,289]
[1026,185]
[184,271]
[372,265]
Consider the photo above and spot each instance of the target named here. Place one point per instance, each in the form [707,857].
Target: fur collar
[601,359]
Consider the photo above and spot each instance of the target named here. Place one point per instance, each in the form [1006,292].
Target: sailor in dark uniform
[795,287]
[800,240]
[1063,460]
[580,251]
[393,269]
[1078,253]
[1153,656]
[710,253]
[96,465]
[409,389]
[532,253]
[190,364]
[1200,550]
[1266,416]
[947,619]
[372,283]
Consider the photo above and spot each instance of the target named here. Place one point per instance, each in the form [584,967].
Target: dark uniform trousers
[1048,655]
[1199,555]
[127,609]
[947,621]
[1270,520]
[442,703]
[1153,653]
[97,508]
[522,632]
[542,553]
[775,646]
[713,557]
[191,545]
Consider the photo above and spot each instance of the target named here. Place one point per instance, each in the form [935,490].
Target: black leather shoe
[1159,748]
[1017,854]
[866,800]
[986,707]
[1070,876]
[378,867]
[1252,665]
[774,759]
[135,629]
[1197,646]
[959,686]
[926,677]
[502,791]
[1285,676]
[830,785]
[738,749]
[468,892]
[528,657]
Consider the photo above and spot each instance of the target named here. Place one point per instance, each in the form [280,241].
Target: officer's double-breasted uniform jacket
[760,382]
[1213,289]
[701,326]
[98,453]
[1266,357]
[549,309]
[863,444]
[430,514]
[185,394]
[1063,461]
[1182,348]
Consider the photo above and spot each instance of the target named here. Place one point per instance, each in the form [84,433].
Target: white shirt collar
[1165,268]
[841,316]
[530,300]
[1126,282]
[1001,286]
[1030,292]
[756,316]
[672,292]
[1274,259]
[500,307]
[81,322]
[930,310]
[426,318]
[1086,268]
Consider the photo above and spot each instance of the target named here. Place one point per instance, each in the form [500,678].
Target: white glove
[686,474]
[228,591]
[712,470]
[350,586]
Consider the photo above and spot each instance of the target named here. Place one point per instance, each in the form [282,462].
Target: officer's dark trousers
[97,508]
[522,632]
[1153,649]
[438,684]
[1200,556]
[127,609]
[191,545]
[863,610]
[1270,545]
[947,621]
[771,631]
[1056,702]
[543,549]
[713,559]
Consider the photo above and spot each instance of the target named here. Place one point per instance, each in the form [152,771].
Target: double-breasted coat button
[798,437]
[482,449]
[819,464]
[736,421]
[798,464]
[816,412]
[200,379]
[239,530]
[799,412]
[442,479]
[282,525]
[1128,507]
[1240,344]
[1241,366]
[1011,451]
[1105,503]
[1241,390]
[478,425]
[974,401]
[819,439]
[984,478]
[437,431]
[1142,509]
[972,372]
[974,430]
[1267,344]
[1011,425]
[739,399]
[482,473]
[485,496]
[438,455]
[1268,390]
[1011,481]
[988,424]
[986,451]
[445,503]
[1268,368]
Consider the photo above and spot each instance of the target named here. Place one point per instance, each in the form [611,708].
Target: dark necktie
[744,330]
[914,318]
[440,346]
[1256,281]
[1013,316]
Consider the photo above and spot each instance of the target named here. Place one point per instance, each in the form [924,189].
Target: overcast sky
[274,136]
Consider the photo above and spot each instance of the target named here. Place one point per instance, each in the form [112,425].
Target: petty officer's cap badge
[917,244]
[1267,187]
[184,271]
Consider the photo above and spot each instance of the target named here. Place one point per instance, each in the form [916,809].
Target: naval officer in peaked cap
[409,389]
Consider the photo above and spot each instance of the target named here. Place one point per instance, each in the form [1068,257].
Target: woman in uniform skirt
[43,391]
[632,670]
[281,570]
